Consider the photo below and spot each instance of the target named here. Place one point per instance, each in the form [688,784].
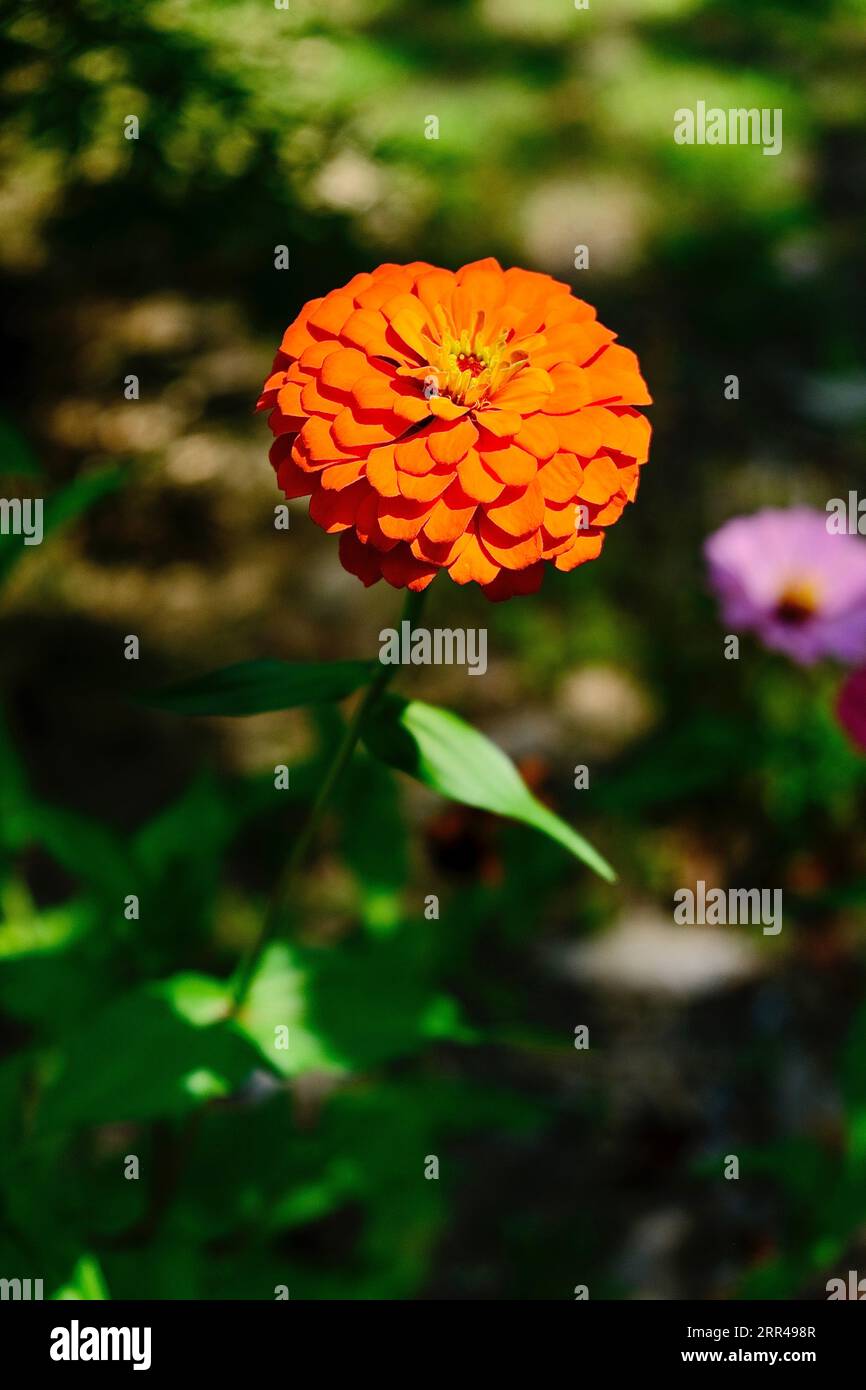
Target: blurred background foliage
[412,1037]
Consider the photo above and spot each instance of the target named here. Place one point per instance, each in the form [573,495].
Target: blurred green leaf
[347,1009]
[854,1064]
[149,1053]
[65,506]
[254,687]
[85,1282]
[375,844]
[89,851]
[40,933]
[457,761]
[274,1015]
[178,872]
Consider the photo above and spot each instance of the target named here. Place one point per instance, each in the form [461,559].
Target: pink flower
[781,574]
[851,707]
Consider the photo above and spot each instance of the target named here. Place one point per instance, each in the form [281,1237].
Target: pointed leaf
[254,687]
[457,761]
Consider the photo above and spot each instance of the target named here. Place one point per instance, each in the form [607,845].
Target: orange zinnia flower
[480,421]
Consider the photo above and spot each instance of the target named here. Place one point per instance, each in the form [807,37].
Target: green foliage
[253,687]
[452,758]
[151,1053]
[62,508]
[303,1010]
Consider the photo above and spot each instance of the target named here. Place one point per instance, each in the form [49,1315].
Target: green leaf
[88,850]
[85,1282]
[376,844]
[254,687]
[35,933]
[156,1051]
[65,506]
[457,761]
[349,1009]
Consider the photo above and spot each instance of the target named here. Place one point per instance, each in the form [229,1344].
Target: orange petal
[511,465]
[477,482]
[446,409]
[629,478]
[529,390]
[315,402]
[560,522]
[351,432]
[510,583]
[502,423]
[586,546]
[331,314]
[425,487]
[340,475]
[313,357]
[560,478]
[441,553]
[519,511]
[600,480]
[365,329]
[318,444]
[527,288]
[538,437]
[381,471]
[450,516]
[611,511]
[615,375]
[286,424]
[579,433]
[625,430]
[408,405]
[360,560]
[293,481]
[572,343]
[472,564]
[449,443]
[480,288]
[289,400]
[408,320]
[366,520]
[505,550]
[341,369]
[403,571]
[401,518]
[298,336]
[433,288]
[379,291]
[335,511]
[571,390]
[413,456]
[373,391]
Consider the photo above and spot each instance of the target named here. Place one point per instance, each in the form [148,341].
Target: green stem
[342,757]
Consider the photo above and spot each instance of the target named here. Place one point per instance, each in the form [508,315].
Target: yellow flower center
[467,365]
[797,603]
[464,370]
